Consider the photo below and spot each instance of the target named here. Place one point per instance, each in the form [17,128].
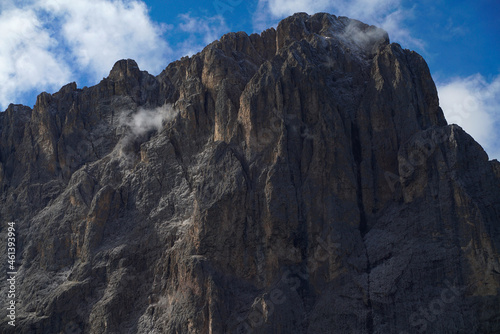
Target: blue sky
[45,44]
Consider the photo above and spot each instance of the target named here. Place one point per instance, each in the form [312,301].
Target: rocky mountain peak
[125,68]
[351,35]
[301,180]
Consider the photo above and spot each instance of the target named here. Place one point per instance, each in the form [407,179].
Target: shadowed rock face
[303,180]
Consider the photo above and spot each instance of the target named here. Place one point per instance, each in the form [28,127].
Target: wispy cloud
[136,123]
[453,30]
[393,23]
[202,31]
[46,43]
[386,14]
[474,104]
[145,120]
[361,39]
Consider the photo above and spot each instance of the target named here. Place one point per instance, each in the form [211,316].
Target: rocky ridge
[301,180]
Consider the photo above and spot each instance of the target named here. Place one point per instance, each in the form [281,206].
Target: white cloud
[145,120]
[393,24]
[474,104]
[100,32]
[369,10]
[27,60]
[203,31]
[280,8]
[137,123]
[46,43]
[211,28]
[386,14]
[361,39]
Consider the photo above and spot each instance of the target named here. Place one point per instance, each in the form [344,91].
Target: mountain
[303,180]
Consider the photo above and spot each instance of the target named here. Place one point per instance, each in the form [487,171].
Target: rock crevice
[301,180]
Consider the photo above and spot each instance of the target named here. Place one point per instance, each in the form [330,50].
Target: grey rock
[303,180]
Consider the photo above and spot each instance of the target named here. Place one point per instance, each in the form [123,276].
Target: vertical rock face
[303,180]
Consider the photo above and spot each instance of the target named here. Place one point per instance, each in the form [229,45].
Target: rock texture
[303,180]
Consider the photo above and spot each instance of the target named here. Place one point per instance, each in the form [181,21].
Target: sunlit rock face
[303,180]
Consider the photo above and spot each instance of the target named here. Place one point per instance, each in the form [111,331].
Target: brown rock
[307,182]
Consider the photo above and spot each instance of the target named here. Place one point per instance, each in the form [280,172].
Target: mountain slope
[303,180]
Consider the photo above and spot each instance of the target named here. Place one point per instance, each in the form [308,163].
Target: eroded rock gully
[303,180]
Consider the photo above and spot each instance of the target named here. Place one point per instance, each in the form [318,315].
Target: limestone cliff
[303,180]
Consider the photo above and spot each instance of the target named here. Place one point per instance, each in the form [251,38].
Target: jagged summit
[124,68]
[352,36]
[301,180]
